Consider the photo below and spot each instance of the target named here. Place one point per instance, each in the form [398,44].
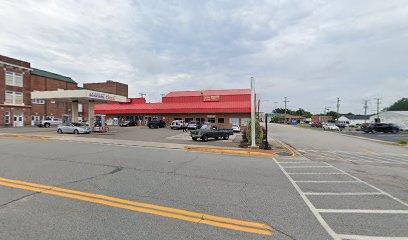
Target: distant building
[322,119]
[109,86]
[353,119]
[399,118]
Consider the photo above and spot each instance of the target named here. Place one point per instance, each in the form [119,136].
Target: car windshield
[206,126]
[77,124]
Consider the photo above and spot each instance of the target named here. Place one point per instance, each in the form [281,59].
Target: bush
[259,132]
[403,142]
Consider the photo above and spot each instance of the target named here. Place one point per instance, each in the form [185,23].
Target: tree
[400,105]
[334,114]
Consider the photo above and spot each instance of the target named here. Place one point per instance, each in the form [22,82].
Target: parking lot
[165,135]
[397,138]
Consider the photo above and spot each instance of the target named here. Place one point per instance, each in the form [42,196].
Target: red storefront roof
[157,108]
[209,93]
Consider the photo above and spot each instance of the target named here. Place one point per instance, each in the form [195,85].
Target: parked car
[49,122]
[128,123]
[382,127]
[177,124]
[317,125]
[364,126]
[210,131]
[193,125]
[74,128]
[236,128]
[330,127]
[156,124]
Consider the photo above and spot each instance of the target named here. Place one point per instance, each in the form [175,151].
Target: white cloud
[310,51]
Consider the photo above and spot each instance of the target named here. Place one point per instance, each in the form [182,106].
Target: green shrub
[403,142]
[258,133]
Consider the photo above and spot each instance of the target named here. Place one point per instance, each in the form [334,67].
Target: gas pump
[100,124]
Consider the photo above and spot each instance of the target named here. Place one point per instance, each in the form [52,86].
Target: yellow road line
[24,137]
[238,225]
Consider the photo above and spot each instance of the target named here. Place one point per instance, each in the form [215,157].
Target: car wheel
[194,139]
[76,131]
[204,138]
[394,131]
[59,131]
[226,137]
[47,125]
[150,126]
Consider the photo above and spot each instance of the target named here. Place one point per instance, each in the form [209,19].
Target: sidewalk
[282,151]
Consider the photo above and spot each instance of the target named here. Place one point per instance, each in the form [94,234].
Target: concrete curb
[229,151]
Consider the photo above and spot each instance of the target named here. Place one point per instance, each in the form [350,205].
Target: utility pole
[253,144]
[378,107]
[365,109]
[162,94]
[338,106]
[285,101]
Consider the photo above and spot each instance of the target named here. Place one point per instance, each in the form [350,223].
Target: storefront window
[211,120]
[188,120]
[220,120]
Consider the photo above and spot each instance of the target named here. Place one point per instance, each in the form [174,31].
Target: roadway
[340,187]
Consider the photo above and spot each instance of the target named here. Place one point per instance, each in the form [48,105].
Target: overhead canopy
[83,96]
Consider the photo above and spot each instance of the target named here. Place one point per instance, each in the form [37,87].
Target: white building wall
[399,118]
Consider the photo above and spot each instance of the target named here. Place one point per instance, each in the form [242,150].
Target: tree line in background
[400,105]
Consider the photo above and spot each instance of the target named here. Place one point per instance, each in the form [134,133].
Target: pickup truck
[210,131]
[48,123]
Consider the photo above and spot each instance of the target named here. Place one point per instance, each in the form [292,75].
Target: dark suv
[382,127]
[156,124]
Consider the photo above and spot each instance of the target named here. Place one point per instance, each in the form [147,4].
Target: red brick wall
[109,87]
[26,90]
[57,109]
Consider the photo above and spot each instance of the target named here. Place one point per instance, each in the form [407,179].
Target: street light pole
[253,144]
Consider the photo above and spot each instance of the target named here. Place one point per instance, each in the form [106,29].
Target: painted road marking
[318,212]
[343,193]
[362,211]
[307,167]
[360,237]
[327,181]
[317,173]
[195,217]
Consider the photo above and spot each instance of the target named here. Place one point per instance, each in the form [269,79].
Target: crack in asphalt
[115,170]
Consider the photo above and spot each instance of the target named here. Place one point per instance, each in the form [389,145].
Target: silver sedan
[74,128]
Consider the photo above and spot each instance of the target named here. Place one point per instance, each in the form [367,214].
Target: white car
[177,124]
[331,127]
[74,128]
[236,128]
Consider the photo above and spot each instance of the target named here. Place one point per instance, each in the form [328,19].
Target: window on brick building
[7,117]
[14,98]
[38,101]
[14,79]
[220,120]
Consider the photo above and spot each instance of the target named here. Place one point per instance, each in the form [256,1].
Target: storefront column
[74,112]
[91,114]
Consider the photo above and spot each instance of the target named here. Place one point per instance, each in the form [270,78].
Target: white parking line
[297,162]
[327,181]
[307,167]
[361,237]
[319,217]
[344,193]
[317,173]
[374,187]
[362,211]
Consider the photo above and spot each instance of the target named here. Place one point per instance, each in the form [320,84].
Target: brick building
[47,81]
[222,107]
[109,86]
[15,90]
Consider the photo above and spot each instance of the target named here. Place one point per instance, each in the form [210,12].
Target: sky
[310,51]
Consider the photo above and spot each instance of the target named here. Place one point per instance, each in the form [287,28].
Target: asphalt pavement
[357,188]
[339,187]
